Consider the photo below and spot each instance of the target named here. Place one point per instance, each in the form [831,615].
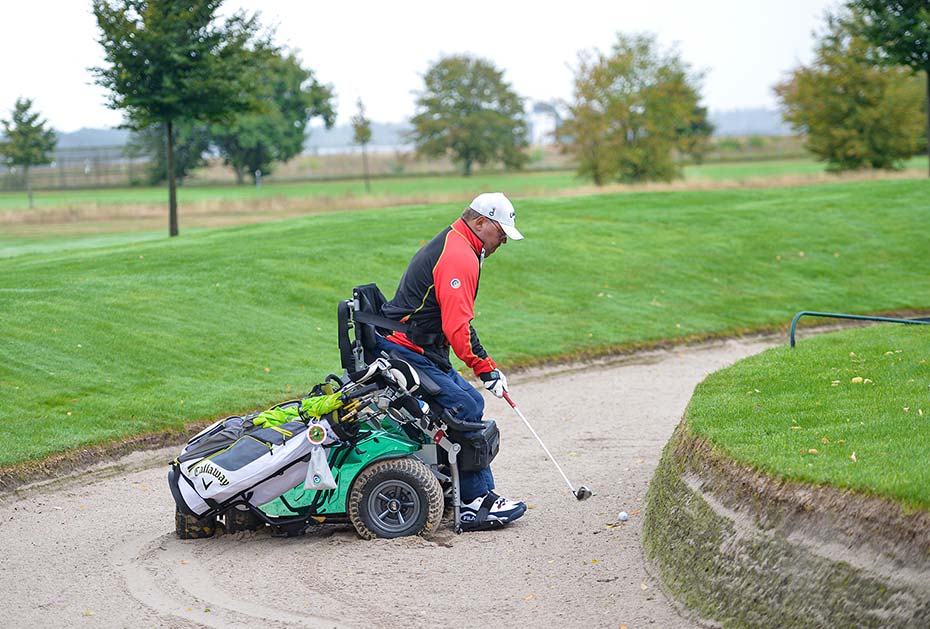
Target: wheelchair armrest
[461,426]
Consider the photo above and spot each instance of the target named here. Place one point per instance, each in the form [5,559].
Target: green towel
[314,406]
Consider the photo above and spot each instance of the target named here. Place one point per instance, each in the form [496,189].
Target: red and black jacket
[436,298]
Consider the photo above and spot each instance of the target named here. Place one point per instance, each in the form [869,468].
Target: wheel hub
[394,505]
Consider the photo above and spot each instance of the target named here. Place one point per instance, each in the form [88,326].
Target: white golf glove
[495,382]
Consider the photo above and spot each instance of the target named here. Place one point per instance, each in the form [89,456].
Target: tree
[191,142]
[361,129]
[900,32]
[695,136]
[28,142]
[171,61]
[853,112]
[288,96]
[467,111]
[634,110]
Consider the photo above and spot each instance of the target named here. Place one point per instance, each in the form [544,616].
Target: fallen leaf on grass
[852,457]
[867,381]
[835,383]
[812,451]
[796,428]
[825,441]
[907,409]
[856,380]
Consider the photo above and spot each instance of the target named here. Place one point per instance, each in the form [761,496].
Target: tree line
[188,80]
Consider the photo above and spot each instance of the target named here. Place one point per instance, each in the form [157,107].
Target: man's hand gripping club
[494,381]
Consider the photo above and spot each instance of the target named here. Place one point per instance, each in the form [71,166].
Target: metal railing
[834,315]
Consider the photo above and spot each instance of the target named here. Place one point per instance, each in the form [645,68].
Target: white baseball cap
[498,208]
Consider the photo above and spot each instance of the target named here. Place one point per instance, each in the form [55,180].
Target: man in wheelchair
[430,313]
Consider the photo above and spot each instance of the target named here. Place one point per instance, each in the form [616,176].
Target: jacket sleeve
[456,279]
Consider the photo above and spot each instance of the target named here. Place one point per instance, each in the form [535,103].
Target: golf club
[582,493]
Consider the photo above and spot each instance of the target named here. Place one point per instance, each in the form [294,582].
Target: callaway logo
[206,485]
[212,470]
[455,283]
[491,213]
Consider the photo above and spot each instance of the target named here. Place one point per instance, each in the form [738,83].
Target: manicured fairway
[138,335]
[513,183]
[850,409]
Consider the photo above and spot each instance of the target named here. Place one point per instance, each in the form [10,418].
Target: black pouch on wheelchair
[479,447]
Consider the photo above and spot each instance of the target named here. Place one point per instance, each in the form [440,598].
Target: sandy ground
[98,549]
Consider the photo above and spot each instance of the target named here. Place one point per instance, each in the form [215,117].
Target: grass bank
[127,337]
[850,409]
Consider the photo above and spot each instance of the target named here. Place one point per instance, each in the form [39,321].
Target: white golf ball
[624,516]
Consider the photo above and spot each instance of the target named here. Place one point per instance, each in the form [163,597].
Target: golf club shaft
[551,458]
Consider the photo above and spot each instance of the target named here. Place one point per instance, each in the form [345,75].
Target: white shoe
[490,511]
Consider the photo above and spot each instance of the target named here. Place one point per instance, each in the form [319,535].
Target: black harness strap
[379,321]
[390,324]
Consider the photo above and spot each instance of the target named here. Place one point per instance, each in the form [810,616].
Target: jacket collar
[462,228]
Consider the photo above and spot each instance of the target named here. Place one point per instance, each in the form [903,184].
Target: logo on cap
[455,283]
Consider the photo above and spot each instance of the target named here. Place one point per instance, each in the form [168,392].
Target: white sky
[380,50]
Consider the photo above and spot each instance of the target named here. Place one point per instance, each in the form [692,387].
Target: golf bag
[235,461]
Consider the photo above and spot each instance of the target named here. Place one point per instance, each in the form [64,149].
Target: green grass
[800,414]
[771,168]
[387,187]
[744,170]
[513,183]
[140,335]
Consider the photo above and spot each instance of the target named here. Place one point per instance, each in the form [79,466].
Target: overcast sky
[379,51]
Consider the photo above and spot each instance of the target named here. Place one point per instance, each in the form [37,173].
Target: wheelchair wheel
[189,527]
[242,520]
[394,498]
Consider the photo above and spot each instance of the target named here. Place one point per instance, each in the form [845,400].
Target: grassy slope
[798,413]
[143,335]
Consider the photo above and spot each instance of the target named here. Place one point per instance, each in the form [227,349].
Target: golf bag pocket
[479,447]
[257,467]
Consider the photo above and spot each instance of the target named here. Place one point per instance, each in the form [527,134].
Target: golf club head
[583,493]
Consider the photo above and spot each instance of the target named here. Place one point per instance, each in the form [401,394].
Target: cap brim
[512,232]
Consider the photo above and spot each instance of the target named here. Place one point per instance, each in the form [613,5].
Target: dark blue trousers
[456,392]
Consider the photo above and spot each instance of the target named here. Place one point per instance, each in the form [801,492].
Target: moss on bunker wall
[732,559]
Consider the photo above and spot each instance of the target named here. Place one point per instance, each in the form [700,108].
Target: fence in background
[90,167]
[111,166]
